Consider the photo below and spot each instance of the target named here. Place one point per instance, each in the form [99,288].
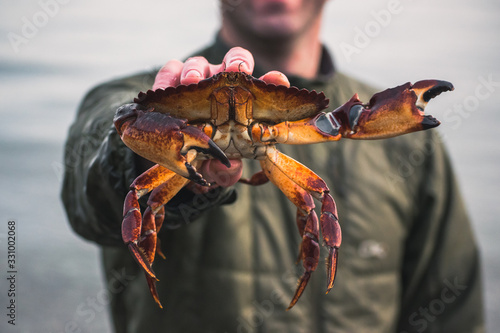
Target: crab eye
[354,114]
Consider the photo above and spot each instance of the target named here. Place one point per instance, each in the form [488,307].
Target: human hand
[195,69]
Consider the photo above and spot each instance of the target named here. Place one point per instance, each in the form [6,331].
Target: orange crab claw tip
[292,303]
[153,291]
[331,268]
[157,300]
[158,246]
[300,289]
[141,259]
[161,254]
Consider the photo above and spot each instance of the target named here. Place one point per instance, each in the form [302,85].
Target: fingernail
[238,65]
[192,73]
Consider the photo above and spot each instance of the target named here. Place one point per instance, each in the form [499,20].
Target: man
[408,262]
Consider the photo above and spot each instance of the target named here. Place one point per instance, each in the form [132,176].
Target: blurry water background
[52,51]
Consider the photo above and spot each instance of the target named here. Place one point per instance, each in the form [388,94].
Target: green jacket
[408,261]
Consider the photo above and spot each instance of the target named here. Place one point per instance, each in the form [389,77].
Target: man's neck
[298,56]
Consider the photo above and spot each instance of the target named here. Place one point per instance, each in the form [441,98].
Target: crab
[233,115]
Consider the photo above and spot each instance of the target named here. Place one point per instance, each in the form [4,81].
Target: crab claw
[427,90]
[165,140]
[392,112]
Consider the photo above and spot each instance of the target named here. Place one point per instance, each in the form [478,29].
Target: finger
[168,75]
[238,60]
[275,77]
[195,69]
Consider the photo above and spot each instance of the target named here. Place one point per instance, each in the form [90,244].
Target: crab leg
[307,224]
[165,140]
[132,225]
[300,184]
[140,233]
[154,214]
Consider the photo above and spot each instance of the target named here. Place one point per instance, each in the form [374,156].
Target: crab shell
[227,104]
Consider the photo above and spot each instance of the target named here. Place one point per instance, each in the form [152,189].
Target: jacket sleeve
[98,166]
[99,169]
[441,277]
